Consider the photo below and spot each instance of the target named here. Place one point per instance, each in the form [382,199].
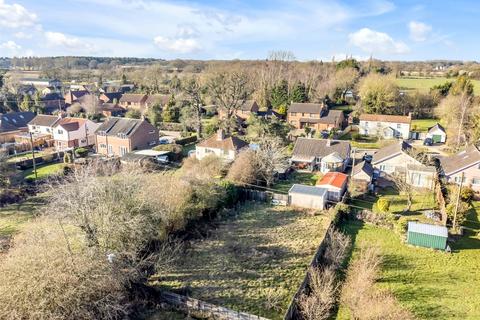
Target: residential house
[74,96]
[43,124]
[133,101]
[385,126]
[157,99]
[110,97]
[394,158]
[335,183]
[42,83]
[323,155]
[74,132]
[119,136]
[14,123]
[111,110]
[314,115]
[221,146]
[247,108]
[437,133]
[52,102]
[465,164]
[308,197]
[398,159]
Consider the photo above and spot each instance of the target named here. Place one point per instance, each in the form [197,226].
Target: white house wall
[377,128]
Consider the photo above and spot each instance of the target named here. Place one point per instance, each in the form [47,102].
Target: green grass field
[44,171]
[424,84]
[253,263]
[25,156]
[13,216]
[365,142]
[431,284]
[422,125]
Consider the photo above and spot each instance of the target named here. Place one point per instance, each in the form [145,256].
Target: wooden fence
[263,196]
[204,310]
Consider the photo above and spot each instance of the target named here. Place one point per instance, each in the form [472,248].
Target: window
[60,131]
[293,113]
[366,124]
[103,146]
[312,115]
[123,150]
[379,124]
[399,126]
[303,114]
[459,179]
[476,181]
[110,149]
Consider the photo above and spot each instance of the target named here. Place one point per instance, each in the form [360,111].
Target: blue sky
[232,29]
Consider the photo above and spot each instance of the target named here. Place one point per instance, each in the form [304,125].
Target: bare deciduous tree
[193,112]
[269,157]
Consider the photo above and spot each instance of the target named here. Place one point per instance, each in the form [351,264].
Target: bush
[81,152]
[243,169]
[383,205]
[356,136]
[186,140]
[67,157]
[467,194]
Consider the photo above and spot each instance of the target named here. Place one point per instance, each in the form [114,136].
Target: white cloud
[15,16]
[73,44]
[23,35]
[10,45]
[177,45]
[419,31]
[375,42]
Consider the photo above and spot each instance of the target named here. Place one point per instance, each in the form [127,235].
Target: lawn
[253,262]
[308,178]
[12,217]
[421,201]
[422,125]
[424,84]
[24,156]
[44,170]
[364,142]
[431,284]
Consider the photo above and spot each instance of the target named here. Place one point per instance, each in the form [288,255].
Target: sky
[233,29]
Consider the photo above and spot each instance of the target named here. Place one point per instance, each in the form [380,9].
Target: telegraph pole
[353,161]
[458,201]
[33,157]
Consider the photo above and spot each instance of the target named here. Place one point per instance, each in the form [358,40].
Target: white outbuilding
[309,197]
[437,134]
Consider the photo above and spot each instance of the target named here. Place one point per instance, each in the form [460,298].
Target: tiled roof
[461,160]
[363,166]
[385,118]
[229,143]
[71,124]
[329,117]
[15,120]
[248,105]
[307,148]
[157,98]
[133,97]
[306,107]
[335,179]
[120,126]
[44,120]
[390,151]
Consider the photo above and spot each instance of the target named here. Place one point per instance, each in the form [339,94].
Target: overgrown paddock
[253,262]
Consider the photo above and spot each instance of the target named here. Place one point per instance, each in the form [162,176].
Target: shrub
[67,157]
[356,136]
[81,152]
[243,169]
[467,194]
[186,140]
[383,204]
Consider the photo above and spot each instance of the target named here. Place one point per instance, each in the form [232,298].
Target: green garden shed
[427,235]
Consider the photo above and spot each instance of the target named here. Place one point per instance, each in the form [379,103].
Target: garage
[427,235]
[308,197]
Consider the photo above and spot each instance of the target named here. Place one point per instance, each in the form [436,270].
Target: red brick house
[119,136]
[314,115]
[133,101]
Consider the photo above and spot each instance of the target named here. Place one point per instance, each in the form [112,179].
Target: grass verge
[44,170]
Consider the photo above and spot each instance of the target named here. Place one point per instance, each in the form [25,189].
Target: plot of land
[254,262]
[424,84]
[307,178]
[12,217]
[432,284]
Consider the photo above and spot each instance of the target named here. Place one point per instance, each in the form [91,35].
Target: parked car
[368,158]
[428,142]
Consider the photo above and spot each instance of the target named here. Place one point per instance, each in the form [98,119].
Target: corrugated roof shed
[310,190]
[430,229]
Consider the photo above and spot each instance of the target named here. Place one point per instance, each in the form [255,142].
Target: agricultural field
[431,284]
[253,262]
[424,84]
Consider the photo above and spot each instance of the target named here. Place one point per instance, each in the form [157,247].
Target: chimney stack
[220,134]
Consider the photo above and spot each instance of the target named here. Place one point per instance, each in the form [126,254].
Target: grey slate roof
[329,117]
[15,120]
[363,166]
[390,151]
[309,190]
[305,147]
[113,95]
[429,229]
[248,105]
[119,126]
[306,107]
[44,120]
[437,125]
[461,160]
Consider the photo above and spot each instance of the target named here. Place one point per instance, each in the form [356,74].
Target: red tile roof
[335,179]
